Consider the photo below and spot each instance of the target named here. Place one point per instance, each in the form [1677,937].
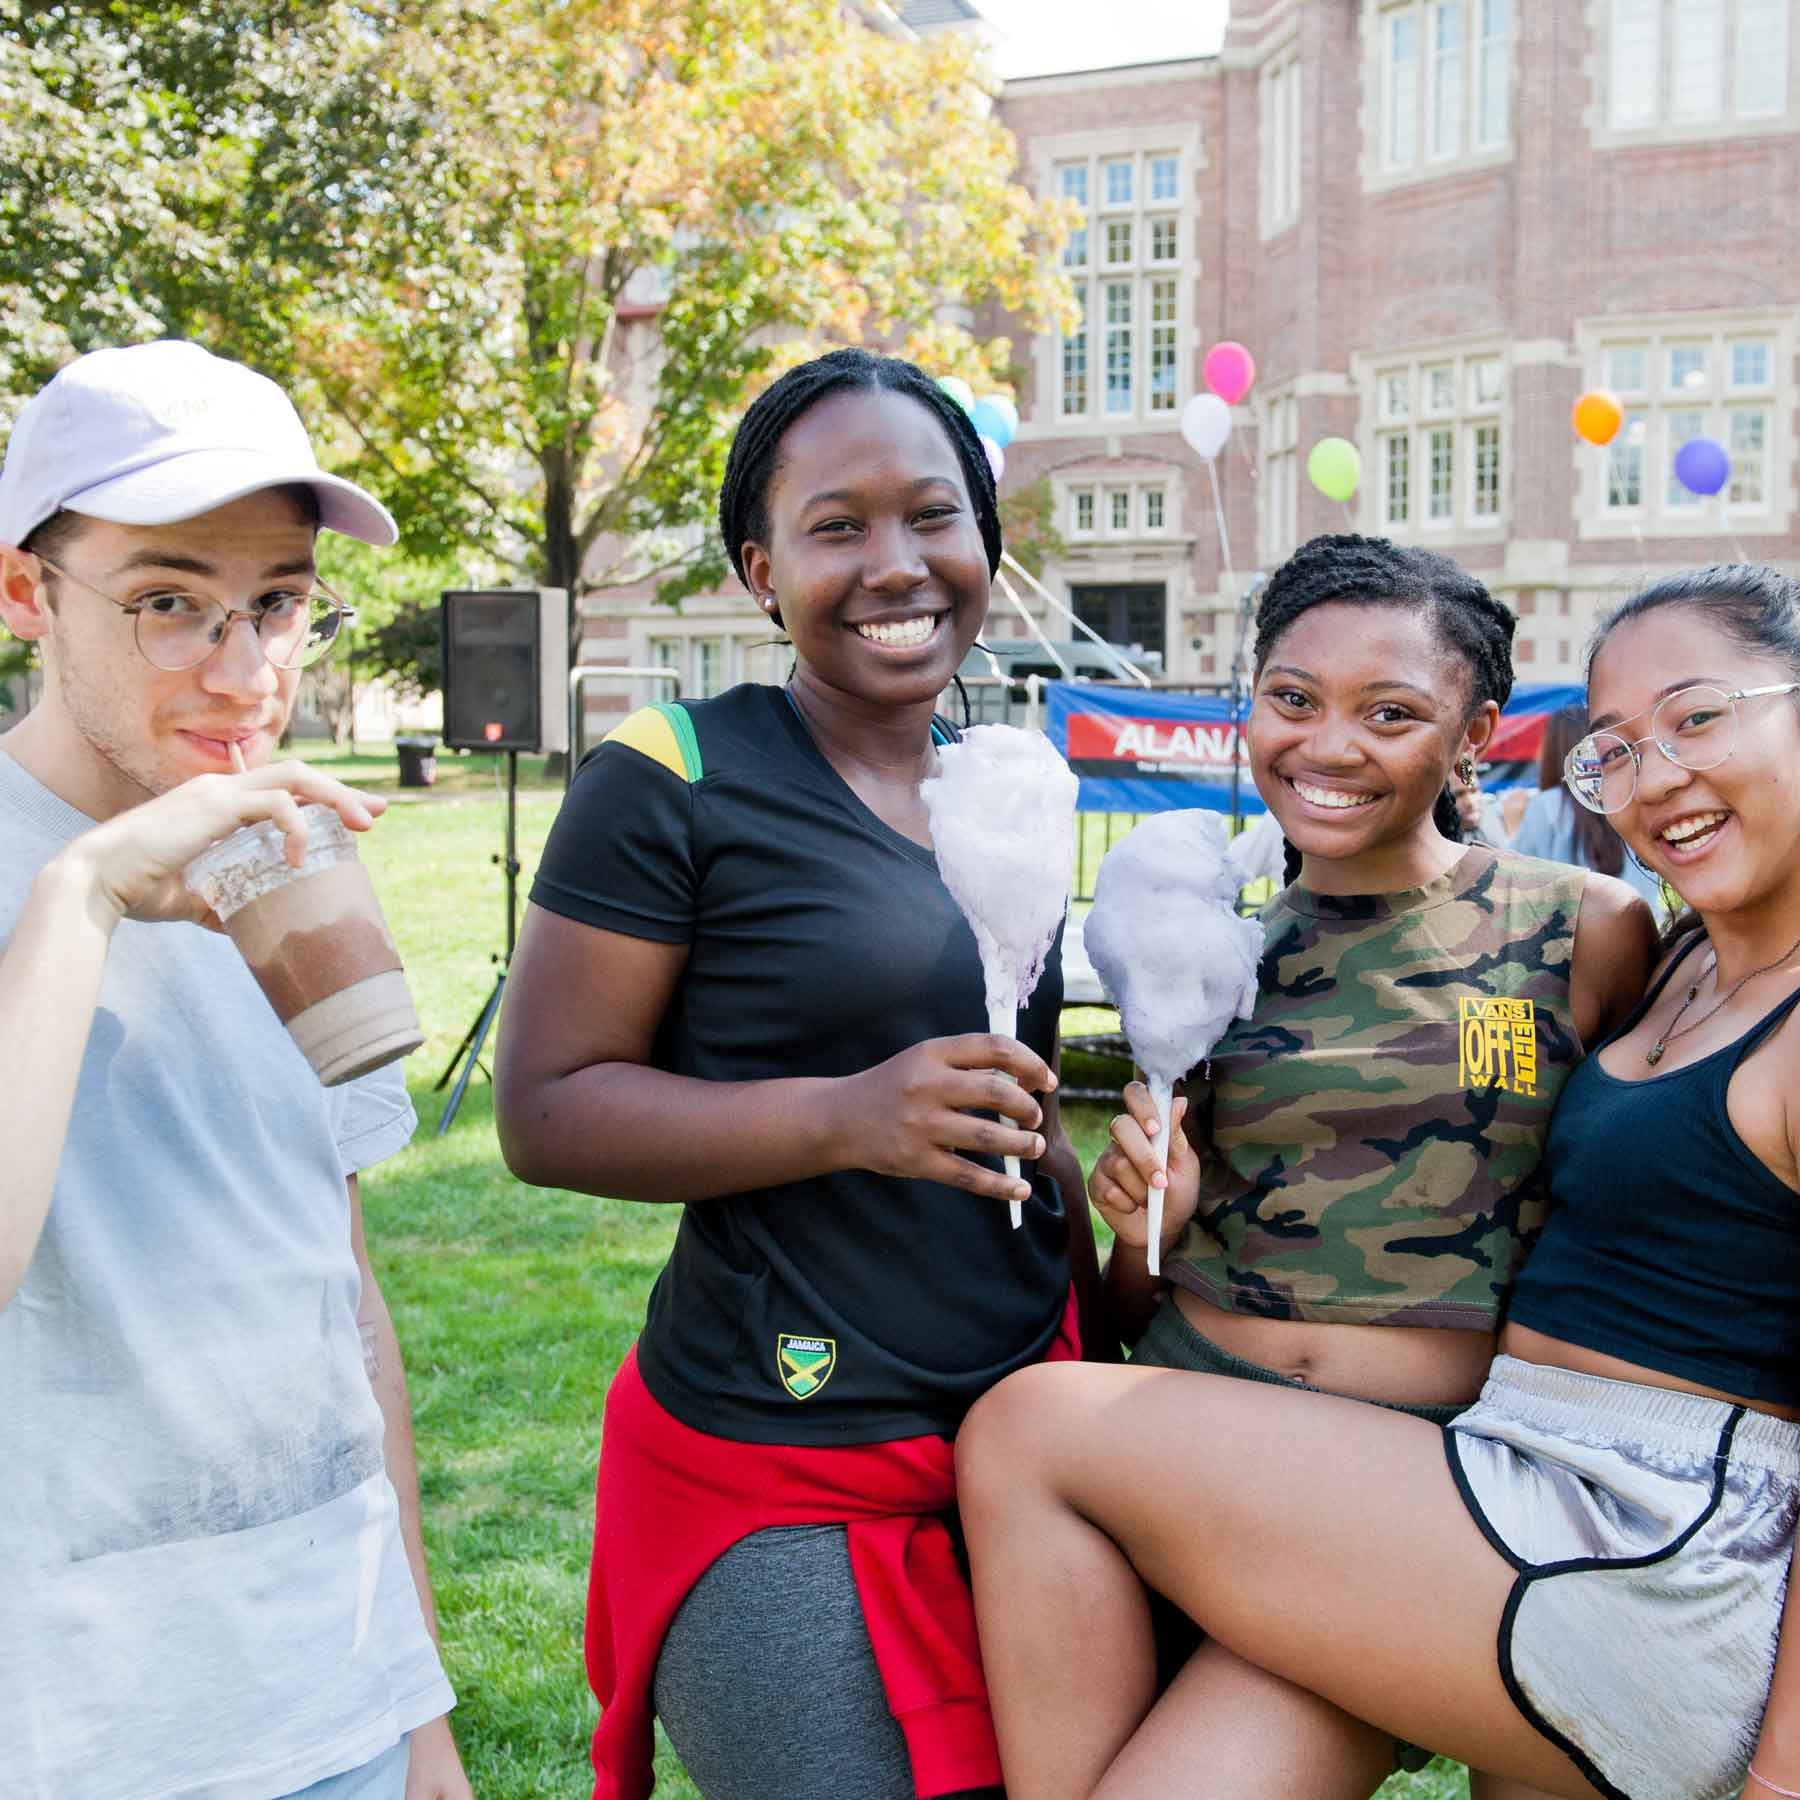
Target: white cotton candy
[1258,852]
[1002,811]
[1173,954]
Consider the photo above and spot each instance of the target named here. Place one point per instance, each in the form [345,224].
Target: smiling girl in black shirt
[743,986]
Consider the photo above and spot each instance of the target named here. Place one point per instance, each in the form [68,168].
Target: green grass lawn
[514,1305]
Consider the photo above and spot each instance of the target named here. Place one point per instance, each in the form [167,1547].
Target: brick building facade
[1434,222]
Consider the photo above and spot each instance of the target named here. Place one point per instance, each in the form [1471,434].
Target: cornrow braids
[1350,570]
[756,448]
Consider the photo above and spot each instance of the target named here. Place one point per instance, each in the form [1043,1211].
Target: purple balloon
[1702,465]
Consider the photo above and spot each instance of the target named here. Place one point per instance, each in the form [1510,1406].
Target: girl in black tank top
[1673,1250]
[1580,1584]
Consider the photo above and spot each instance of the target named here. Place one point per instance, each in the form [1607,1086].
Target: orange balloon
[1598,416]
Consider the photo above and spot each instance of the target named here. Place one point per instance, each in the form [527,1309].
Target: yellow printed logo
[1497,1044]
[804,1363]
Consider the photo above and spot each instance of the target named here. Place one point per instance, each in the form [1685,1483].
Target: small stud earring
[768,602]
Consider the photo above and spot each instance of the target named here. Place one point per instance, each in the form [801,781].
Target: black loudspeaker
[506,669]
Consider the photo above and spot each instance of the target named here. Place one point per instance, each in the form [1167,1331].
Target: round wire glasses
[1694,727]
[295,626]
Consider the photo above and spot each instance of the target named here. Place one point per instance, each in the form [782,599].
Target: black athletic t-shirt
[853,1308]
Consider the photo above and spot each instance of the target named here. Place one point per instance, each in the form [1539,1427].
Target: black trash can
[418,761]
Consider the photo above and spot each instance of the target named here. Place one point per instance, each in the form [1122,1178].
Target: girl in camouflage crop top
[1364,1152]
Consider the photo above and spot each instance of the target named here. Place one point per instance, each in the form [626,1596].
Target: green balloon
[958,390]
[1334,468]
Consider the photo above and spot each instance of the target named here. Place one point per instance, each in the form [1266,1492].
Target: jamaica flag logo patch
[804,1363]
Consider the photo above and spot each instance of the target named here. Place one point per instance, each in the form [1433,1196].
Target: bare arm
[49,986]
[435,1772]
[50,973]
[1615,945]
[580,1105]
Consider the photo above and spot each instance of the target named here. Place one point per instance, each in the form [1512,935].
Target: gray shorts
[1651,1531]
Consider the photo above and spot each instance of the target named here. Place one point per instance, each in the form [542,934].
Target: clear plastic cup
[315,940]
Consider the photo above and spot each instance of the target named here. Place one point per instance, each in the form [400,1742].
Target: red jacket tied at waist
[673,1500]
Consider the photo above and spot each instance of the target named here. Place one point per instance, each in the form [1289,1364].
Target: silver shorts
[1651,1531]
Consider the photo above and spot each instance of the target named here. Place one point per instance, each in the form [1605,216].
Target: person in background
[1558,829]
[1487,818]
[213,1576]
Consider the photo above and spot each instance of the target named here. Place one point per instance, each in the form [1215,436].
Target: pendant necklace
[1654,1054]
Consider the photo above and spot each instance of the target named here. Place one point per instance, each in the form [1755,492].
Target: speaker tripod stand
[476,1036]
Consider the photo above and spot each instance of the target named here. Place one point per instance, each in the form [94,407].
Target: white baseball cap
[159,432]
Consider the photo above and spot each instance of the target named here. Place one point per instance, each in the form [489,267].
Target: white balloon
[1206,424]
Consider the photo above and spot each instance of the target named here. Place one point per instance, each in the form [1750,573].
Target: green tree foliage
[1028,523]
[532,260]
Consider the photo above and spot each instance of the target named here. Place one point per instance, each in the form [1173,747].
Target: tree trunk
[562,561]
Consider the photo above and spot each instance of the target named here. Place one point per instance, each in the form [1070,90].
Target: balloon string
[1126,669]
[1249,460]
[1212,470]
[1737,549]
[1349,518]
[1032,626]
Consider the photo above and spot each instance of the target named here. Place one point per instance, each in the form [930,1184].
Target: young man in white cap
[214,1585]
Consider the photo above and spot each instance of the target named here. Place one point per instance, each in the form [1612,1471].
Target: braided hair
[756,448]
[1349,570]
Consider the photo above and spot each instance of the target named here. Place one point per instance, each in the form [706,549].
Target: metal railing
[579,677]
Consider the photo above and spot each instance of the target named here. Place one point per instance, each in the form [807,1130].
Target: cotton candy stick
[1162,1099]
[1003,1021]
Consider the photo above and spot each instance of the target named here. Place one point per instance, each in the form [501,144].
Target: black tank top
[1668,1243]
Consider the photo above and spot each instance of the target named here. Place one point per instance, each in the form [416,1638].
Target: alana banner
[1140,750]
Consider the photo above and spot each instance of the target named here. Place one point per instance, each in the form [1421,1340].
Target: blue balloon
[995,418]
[1702,465]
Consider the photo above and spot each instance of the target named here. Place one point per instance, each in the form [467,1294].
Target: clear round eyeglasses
[295,627]
[1695,727]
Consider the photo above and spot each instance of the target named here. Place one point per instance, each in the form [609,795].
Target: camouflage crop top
[1376,1126]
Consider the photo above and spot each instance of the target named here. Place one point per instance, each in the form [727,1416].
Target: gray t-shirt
[203,1590]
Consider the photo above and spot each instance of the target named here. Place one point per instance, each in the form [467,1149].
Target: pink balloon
[1229,370]
[996,457]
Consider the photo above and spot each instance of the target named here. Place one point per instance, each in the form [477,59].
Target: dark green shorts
[1171,1342]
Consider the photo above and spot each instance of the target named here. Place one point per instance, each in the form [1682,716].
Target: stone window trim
[1278,484]
[1379,174]
[1660,336]
[1604,134]
[1048,155]
[1446,423]
[1091,499]
[708,658]
[1281,132]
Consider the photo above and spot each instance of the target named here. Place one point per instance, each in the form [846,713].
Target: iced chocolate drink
[316,942]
